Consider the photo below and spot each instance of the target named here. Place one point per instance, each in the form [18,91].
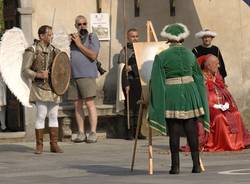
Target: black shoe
[174,170]
[175,163]
[129,135]
[3,130]
[247,147]
[196,169]
[129,138]
[142,137]
[196,162]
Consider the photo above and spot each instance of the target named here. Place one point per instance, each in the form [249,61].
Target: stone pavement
[108,162]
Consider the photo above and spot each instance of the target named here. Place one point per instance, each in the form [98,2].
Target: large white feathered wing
[11,56]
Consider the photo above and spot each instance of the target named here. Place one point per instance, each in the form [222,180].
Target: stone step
[67,110]
[107,120]
[10,137]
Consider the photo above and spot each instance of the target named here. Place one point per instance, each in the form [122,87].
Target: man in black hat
[207,48]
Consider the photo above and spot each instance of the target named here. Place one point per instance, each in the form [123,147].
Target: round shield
[60,73]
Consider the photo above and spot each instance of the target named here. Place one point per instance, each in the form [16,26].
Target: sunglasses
[84,24]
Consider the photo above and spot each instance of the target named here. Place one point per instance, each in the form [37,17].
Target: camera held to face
[83,33]
[99,68]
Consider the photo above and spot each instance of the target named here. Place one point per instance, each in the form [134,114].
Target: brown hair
[132,30]
[43,29]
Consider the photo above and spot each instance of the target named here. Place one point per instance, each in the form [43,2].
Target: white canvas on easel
[145,53]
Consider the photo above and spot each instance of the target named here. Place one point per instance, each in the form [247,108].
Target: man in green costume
[178,95]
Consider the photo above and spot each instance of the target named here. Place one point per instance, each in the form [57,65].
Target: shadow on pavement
[15,148]
[113,170]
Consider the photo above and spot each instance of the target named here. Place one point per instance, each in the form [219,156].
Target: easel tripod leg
[139,122]
[150,152]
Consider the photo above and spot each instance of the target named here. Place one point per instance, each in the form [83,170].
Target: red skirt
[222,137]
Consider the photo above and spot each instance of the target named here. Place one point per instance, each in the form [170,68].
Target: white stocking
[52,113]
[41,114]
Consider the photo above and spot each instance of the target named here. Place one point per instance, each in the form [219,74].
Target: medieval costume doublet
[37,58]
[177,88]
[132,80]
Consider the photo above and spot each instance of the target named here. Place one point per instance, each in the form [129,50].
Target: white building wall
[229,18]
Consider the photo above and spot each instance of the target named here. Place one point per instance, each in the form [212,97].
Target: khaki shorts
[81,88]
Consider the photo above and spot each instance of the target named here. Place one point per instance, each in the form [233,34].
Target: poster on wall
[99,24]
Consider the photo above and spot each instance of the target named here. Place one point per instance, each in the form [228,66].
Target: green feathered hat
[175,32]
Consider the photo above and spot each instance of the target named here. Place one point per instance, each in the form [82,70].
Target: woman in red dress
[227,130]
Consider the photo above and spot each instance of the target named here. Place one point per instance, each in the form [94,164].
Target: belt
[179,80]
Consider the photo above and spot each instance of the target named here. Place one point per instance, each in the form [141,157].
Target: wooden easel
[151,36]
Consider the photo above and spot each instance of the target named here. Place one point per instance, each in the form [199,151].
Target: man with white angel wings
[37,62]
[25,71]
